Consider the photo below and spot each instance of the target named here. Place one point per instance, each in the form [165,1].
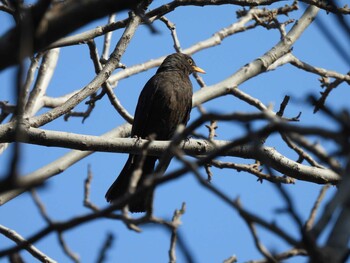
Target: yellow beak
[198,69]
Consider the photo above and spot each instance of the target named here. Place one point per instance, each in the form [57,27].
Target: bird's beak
[198,69]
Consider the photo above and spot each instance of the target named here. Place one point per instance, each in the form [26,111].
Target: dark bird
[164,103]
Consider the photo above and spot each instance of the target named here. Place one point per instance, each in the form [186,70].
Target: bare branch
[48,220]
[231,259]
[316,70]
[60,165]
[263,250]
[107,41]
[310,222]
[240,26]
[87,186]
[46,70]
[175,223]
[172,29]
[41,207]
[44,25]
[253,169]
[106,86]
[271,227]
[17,238]
[74,257]
[259,65]
[93,86]
[51,24]
[106,246]
[285,255]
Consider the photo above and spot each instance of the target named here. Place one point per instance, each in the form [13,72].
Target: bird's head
[179,61]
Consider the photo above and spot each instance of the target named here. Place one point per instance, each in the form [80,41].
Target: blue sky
[212,231]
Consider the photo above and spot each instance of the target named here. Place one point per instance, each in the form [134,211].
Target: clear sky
[210,229]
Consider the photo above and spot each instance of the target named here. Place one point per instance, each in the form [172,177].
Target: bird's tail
[121,185]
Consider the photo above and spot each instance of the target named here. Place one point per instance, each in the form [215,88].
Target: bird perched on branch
[164,103]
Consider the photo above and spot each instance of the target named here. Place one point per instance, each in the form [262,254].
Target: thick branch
[267,155]
[259,65]
[57,22]
[60,165]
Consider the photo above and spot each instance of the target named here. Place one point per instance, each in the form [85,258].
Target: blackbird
[164,103]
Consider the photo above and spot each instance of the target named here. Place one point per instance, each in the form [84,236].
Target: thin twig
[94,85]
[73,256]
[310,222]
[253,169]
[49,221]
[172,29]
[104,249]
[324,94]
[107,41]
[193,167]
[87,186]
[106,86]
[258,244]
[175,223]
[231,259]
[40,206]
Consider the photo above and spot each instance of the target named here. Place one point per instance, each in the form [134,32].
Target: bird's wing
[144,108]
[187,114]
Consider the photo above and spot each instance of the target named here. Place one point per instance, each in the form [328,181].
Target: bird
[164,103]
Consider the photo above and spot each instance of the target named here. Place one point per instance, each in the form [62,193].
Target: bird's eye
[190,62]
